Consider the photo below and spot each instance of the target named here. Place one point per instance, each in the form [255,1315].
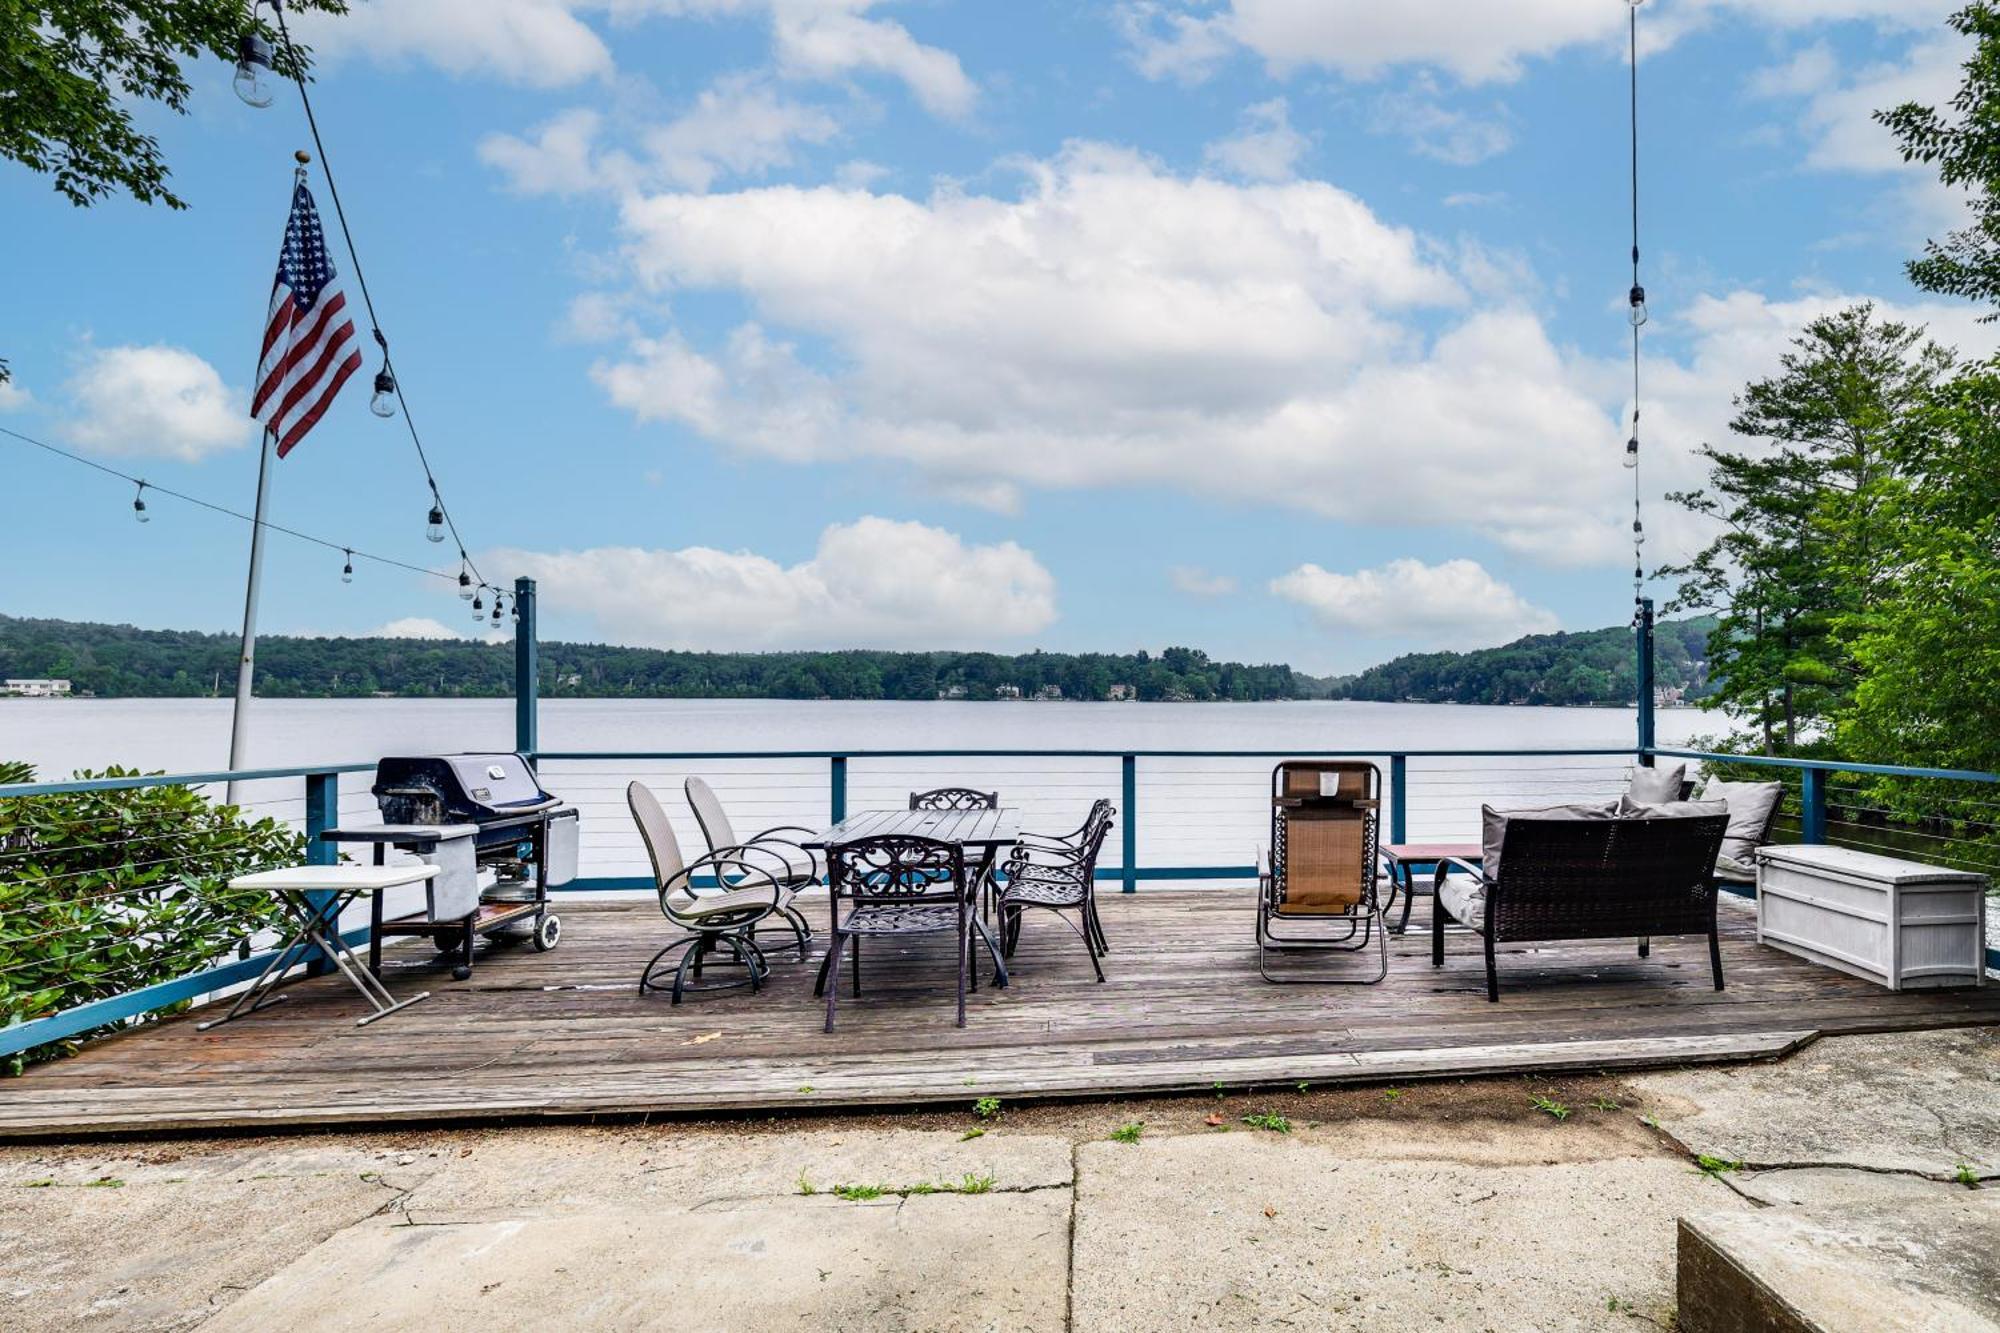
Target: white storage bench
[1903,924]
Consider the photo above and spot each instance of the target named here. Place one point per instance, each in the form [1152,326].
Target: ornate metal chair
[1586,879]
[780,858]
[1056,879]
[954,798]
[1317,889]
[891,886]
[724,917]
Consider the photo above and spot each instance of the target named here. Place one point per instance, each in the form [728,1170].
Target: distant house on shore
[1050,693]
[1006,691]
[1119,693]
[952,692]
[35,689]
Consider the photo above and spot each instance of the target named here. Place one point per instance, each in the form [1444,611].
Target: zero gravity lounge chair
[1316,889]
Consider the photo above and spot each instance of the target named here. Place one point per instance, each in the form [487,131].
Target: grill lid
[465,785]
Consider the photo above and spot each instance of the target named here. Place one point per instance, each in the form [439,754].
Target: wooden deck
[565,1034]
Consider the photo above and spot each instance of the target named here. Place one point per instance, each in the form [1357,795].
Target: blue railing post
[322,813]
[527,670]
[836,796]
[1648,735]
[1129,771]
[1399,798]
[1812,805]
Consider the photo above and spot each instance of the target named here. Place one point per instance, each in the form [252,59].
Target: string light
[464,585]
[1636,315]
[253,67]
[143,514]
[389,396]
[478,606]
[347,570]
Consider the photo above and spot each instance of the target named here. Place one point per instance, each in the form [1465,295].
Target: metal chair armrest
[1450,862]
[684,879]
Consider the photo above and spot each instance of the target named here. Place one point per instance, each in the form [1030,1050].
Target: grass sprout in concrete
[1128,1133]
[1269,1120]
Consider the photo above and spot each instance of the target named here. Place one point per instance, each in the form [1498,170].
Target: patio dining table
[982,834]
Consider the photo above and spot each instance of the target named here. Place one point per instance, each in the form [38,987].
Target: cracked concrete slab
[556,1170]
[155,1242]
[1893,1266]
[941,1262]
[1926,1102]
[1245,1230]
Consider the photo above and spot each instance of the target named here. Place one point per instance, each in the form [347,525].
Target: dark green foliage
[1964,146]
[1592,667]
[69,72]
[104,892]
[118,660]
[1807,515]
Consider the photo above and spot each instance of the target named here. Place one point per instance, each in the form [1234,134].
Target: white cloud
[539,43]
[13,397]
[740,126]
[1456,600]
[871,583]
[1116,325]
[1475,198]
[1265,146]
[414,627]
[1199,582]
[156,401]
[1488,41]
[1461,138]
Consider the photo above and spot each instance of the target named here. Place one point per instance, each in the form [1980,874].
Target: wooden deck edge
[831,1094]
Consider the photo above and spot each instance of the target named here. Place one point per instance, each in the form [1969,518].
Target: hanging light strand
[388,385]
[145,488]
[1637,315]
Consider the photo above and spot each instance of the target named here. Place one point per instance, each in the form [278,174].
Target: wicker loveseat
[1585,878]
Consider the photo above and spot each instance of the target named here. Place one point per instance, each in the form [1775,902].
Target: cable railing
[1184,815]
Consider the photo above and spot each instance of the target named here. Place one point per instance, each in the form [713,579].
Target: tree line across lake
[1595,667]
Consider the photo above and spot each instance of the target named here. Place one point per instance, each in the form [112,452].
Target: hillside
[1591,667]
[113,661]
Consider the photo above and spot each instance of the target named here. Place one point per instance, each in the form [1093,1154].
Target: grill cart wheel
[547,932]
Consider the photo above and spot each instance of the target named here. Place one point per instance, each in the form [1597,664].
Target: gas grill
[500,841]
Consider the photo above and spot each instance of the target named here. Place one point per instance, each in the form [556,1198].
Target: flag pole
[239,725]
[246,661]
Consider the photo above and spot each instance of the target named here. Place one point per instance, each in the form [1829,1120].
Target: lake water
[1189,812]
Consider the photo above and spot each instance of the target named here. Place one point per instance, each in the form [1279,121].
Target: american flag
[309,345]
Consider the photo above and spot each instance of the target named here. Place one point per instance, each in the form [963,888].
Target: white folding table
[316,924]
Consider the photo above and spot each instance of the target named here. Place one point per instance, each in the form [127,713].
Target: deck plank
[566,1033]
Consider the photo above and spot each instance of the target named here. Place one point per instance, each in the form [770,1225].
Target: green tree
[1964,146]
[1805,510]
[69,72]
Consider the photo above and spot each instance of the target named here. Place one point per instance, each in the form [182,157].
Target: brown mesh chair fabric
[1325,830]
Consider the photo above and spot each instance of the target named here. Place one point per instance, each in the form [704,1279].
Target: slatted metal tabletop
[981,830]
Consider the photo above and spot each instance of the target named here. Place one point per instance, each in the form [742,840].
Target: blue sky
[1292,329]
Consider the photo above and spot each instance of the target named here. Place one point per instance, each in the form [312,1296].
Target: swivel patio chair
[1601,877]
[1057,879]
[722,917]
[1317,889]
[896,886]
[954,798]
[781,858]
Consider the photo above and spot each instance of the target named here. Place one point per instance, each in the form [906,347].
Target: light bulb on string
[347,570]
[139,505]
[464,585]
[1637,300]
[496,609]
[478,606]
[383,404]
[253,70]
[1638,533]
[434,525]
[1632,453]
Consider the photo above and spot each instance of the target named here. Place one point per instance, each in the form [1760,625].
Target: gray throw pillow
[1493,825]
[1656,786]
[1750,807]
[1631,809]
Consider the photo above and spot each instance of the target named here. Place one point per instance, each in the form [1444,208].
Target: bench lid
[1865,865]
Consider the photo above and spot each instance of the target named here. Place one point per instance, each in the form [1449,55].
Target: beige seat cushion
[1734,871]
[1465,898]
[695,906]
[1655,786]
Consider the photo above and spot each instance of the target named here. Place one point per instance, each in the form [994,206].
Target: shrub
[103,892]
